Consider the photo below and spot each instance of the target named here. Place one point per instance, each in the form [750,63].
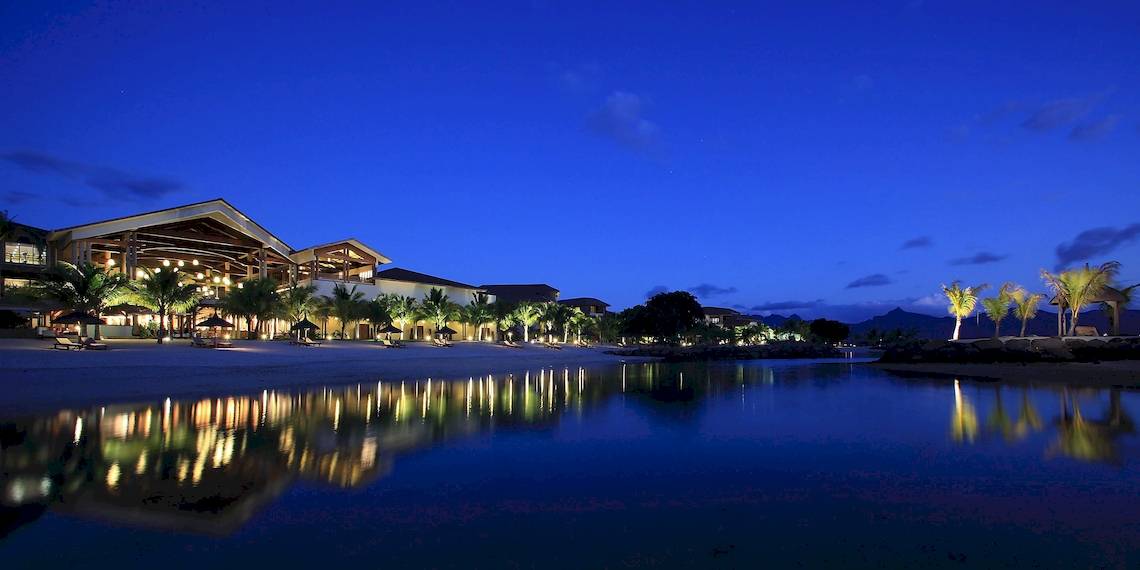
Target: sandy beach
[1124,373]
[35,378]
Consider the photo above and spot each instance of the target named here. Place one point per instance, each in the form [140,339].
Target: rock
[934,345]
[1052,348]
[989,344]
[1019,345]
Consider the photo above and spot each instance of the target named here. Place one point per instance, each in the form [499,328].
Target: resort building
[726,318]
[590,306]
[218,248]
[534,293]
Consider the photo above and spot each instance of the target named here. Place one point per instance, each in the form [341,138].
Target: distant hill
[927,326]
[776,320]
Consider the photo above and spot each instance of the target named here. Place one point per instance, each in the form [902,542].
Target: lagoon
[777,463]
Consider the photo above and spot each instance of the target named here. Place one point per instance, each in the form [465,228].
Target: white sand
[35,378]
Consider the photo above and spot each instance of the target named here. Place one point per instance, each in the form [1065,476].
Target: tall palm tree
[526,314]
[85,287]
[997,308]
[346,305]
[503,315]
[1025,306]
[165,292]
[550,315]
[438,308]
[579,321]
[477,312]
[255,300]
[402,309]
[323,311]
[377,314]
[297,302]
[1076,288]
[962,302]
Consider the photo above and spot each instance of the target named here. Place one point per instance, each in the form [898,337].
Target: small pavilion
[1112,297]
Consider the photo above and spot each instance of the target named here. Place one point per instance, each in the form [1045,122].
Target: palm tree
[376,312]
[503,315]
[346,305]
[254,299]
[580,321]
[85,287]
[477,312]
[962,302]
[1025,305]
[997,308]
[552,315]
[1075,288]
[323,311]
[526,314]
[402,309]
[438,308]
[297,302]
[165,292]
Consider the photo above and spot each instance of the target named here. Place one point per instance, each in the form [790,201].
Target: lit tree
[402,309]
[164,292]
[962,302]
[85,287]
[346,305]
[1076,288]
[526,314]
[997,308]
[1025,306]
[438,308]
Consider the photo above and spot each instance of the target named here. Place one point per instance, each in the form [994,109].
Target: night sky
[800,157]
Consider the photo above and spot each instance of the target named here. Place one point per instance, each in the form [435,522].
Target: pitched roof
[584,302]
[522,292]
[398,274]
[718,311]
[380,257]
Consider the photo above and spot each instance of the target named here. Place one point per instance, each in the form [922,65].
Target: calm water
[726,465]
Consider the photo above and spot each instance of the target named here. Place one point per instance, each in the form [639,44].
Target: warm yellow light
[195,262]
[241,285]
[217,279]
[225,280]
[198,275]
[181,263]
[226,336]
[158,270]
[166,263]
[140,274]
[264,336]
[110,263]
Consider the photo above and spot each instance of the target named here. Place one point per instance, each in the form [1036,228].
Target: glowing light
[140,274]
[225,280]
[217,279]
[241,285]
[195,262]
[166,263]
[110,263]
[158,270]
[78,430]
[181,263]
[198,275]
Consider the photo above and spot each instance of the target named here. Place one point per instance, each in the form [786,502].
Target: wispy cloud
[1058,113]
[1094,130]
[620,119]
[113,183]
[980,258]
[579,78]
[1094,242]
[875,280]
[918,242]
[786,305]
[710,290]
[656,291]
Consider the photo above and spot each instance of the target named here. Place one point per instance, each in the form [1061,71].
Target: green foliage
[347,305]
[962,302]
[297,302]
[477,312]
[997,307]
[254,299]
[665,316]
[164,292]
[85,287]
[1076,288]
[1025,305]
[526,314]
[402,309]
[438,308]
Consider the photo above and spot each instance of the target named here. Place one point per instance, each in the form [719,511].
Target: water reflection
[208,465]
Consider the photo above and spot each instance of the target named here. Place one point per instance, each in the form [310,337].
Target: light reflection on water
[209,466]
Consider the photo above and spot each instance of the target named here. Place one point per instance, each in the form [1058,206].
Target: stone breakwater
[731,352]
[1037,349]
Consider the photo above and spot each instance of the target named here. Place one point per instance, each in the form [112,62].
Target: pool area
[778,463]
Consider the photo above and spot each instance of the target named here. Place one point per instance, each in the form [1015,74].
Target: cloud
[111,182]
[876,280]
[786,305]
[980,258]
[1058,113]
[1095,241]
[620,119]
[710,290]
[578,79]
[656,291]
[19,196]
[1094,130]
[914,243]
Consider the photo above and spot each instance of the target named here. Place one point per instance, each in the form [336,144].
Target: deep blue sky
[767,156]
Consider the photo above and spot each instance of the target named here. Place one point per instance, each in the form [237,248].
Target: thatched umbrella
[79,318]
[446,330]
[214,321]
[304,324]
[388,330]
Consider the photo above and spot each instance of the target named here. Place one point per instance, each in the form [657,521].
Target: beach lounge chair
[391,343]
[198,341]
[552,345]
[1086,331]
[309,342]
[64,343]
[440,343]
[92,344]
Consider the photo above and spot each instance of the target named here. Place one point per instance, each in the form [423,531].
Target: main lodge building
[219,248]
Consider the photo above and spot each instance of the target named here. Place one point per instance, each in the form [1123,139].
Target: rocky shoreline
[1018,350]
[731,352]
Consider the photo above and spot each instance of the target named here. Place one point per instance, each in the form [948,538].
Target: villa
[219,248]
[590,306]
[532,293]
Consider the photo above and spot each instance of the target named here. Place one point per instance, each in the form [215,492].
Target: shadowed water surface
[738,464]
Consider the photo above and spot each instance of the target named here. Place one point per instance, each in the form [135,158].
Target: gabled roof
[306,254]
[398,274]
[584,302]
[718,311]
[522,292]
[217,209]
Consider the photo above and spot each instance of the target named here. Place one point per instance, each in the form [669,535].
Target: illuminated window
[24,253]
